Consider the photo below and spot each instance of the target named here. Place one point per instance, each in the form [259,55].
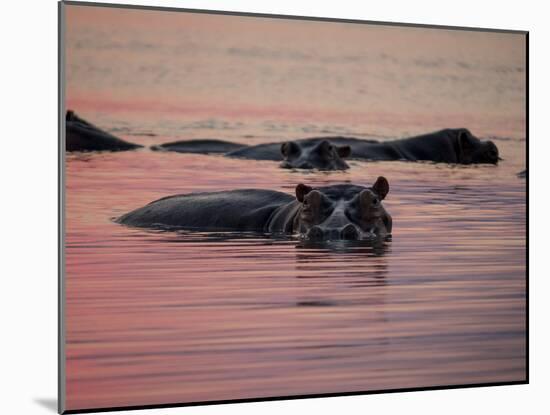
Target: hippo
[457,146]
[199,146]
[84,136]
[451,145]
[310,153]
[336,212]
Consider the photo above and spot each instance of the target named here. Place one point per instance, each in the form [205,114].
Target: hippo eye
[375,201]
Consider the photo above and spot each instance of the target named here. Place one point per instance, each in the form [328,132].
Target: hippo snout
[348,232]
[315,233]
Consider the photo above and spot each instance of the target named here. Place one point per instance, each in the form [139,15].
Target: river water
[160,317]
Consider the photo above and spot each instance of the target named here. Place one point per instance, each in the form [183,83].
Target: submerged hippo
[84,136]
[327,153]
[310,153]
[199,146]
[452,145]
[342,211]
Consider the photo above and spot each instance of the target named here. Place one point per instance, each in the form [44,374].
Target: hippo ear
[344,151]
[381,187]
[301,191]
[288,148]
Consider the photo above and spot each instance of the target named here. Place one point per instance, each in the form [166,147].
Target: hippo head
[472,150]
[320,155]
[342,212]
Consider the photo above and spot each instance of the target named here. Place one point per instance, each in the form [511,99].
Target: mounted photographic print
[258,207]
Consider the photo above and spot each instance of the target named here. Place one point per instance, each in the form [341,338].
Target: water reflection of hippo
[327,153]
[84,136]
[341,211]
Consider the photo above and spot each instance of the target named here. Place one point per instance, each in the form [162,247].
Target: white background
[28,163]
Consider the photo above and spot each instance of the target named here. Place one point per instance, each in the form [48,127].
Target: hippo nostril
[350,232]
[315,233]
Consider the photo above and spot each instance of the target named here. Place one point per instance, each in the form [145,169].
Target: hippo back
[235,210]
[439,146]
[270,151]
[199,146]
[84,136]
